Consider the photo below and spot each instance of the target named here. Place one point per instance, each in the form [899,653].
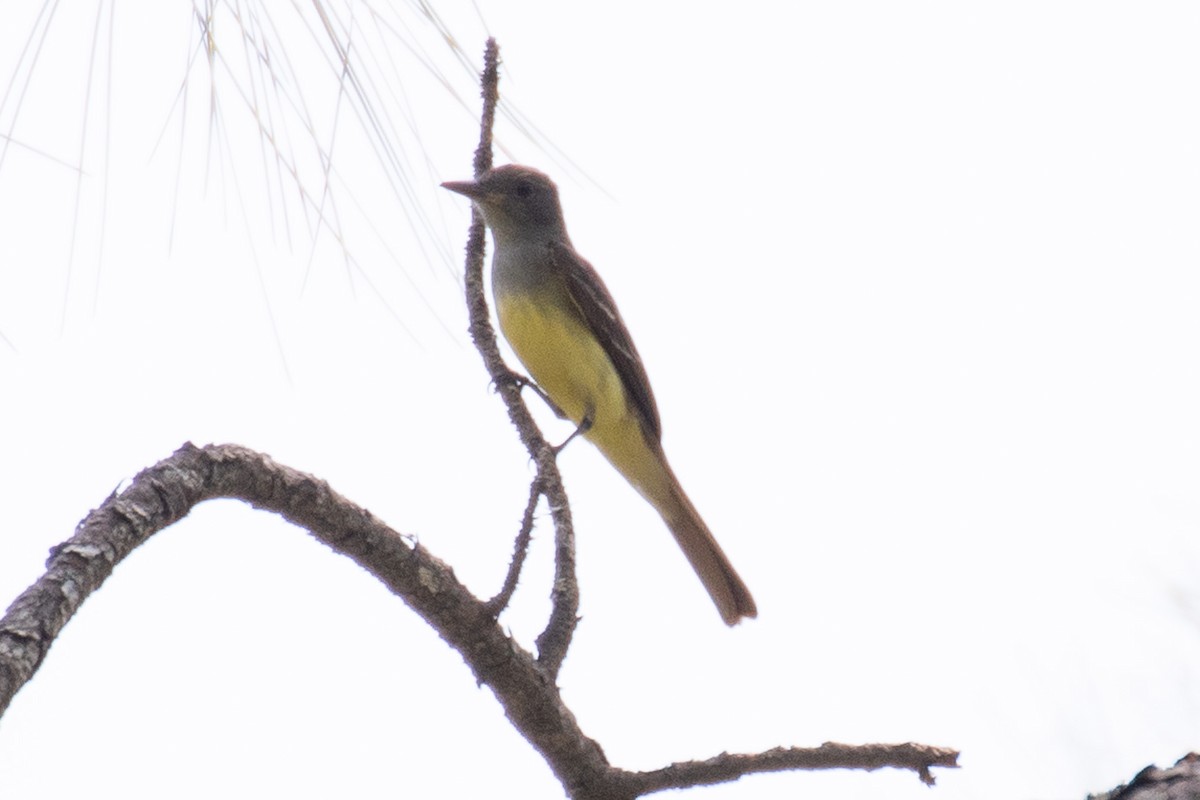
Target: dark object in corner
[1180,782]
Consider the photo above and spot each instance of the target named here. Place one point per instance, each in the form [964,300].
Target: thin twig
[832,755]
[555,640]
[490,91]
[520,550]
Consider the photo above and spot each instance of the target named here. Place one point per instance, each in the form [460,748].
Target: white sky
[917,287]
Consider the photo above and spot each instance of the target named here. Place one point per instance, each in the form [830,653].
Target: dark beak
[469,189]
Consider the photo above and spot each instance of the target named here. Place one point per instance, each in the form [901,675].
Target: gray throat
[523,263]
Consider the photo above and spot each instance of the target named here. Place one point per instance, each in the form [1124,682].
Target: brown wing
[598,308]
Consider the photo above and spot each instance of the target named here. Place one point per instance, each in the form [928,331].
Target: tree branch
[831,755]
[520,550]
[553,642]
[166,492]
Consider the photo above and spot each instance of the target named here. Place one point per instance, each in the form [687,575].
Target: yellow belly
[569,364]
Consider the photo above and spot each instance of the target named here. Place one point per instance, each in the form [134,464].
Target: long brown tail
[719,577]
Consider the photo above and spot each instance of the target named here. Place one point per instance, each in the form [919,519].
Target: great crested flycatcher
[564,326]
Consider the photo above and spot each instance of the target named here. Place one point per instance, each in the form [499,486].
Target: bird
[563,324]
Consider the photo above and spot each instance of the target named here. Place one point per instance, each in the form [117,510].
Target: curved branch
[166,492]
[553,642]
[520,551]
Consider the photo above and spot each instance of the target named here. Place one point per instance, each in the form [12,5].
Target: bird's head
[516,201]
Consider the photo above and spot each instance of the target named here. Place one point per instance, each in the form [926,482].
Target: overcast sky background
[917,288]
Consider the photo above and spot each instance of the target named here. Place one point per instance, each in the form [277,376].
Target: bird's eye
[524,189]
